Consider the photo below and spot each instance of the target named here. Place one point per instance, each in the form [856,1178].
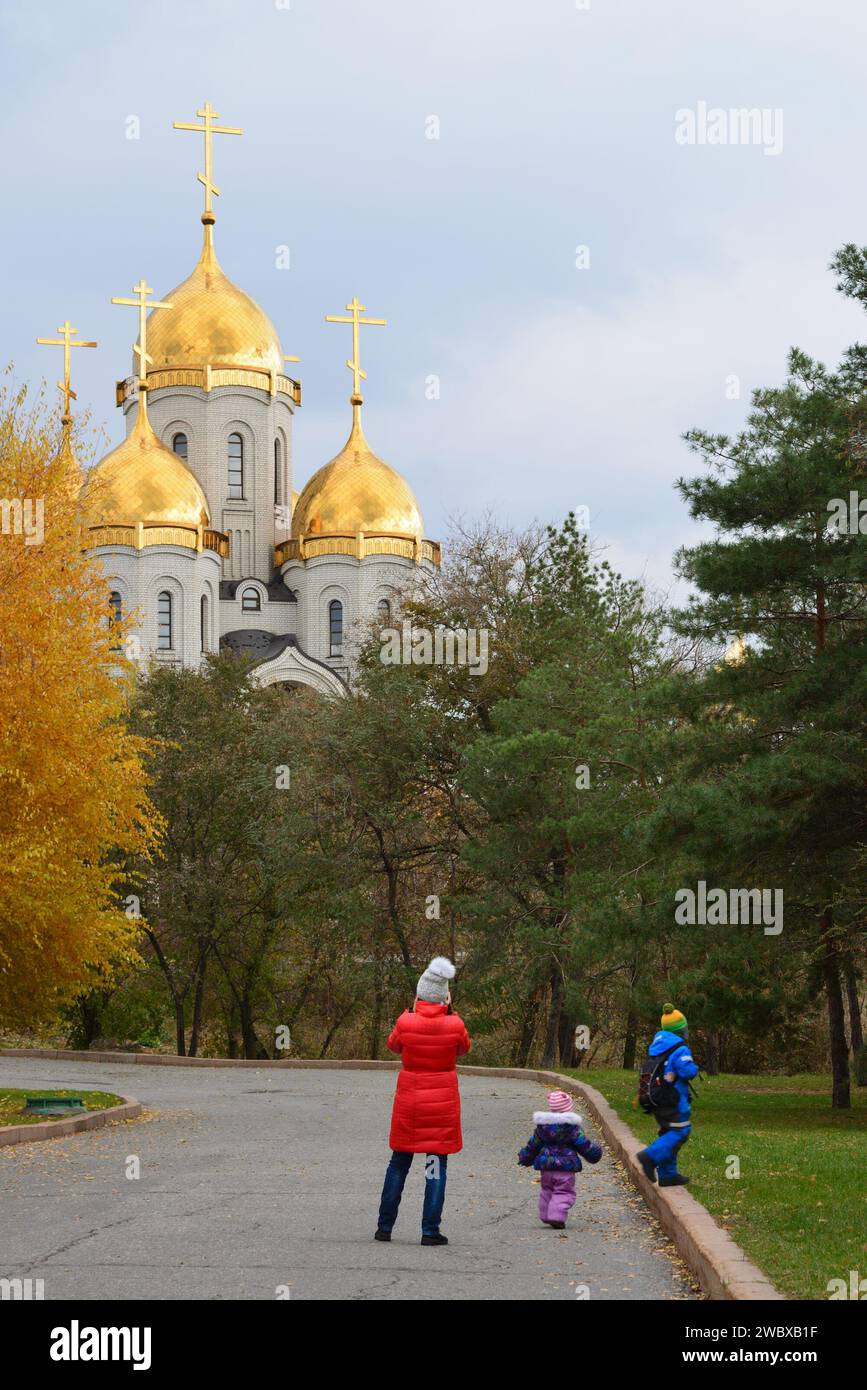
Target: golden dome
[142,480]
[356,491]
[736,652]
[211,322]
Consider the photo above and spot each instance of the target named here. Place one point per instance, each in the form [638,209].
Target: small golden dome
[736,652]
[211,323]
[142,480]
[355,492]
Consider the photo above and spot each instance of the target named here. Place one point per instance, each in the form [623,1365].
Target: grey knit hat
[434,983]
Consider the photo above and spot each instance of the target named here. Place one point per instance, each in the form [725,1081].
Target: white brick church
[194,517]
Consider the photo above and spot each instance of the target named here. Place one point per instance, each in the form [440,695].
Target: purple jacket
[557,1142]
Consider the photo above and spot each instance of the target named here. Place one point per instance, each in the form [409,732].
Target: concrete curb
[57,1129]
[162,1059]
[721,1266]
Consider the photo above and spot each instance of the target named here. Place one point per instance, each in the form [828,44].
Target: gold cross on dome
[208,129]
[66,341]
[142,303]
[354,363]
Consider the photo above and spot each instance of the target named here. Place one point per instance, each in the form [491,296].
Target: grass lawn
[799,1208]
[12,1104]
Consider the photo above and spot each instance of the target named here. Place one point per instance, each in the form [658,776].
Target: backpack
[656,1096]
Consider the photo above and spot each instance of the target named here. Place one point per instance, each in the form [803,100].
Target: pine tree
[773,745]
[561,778]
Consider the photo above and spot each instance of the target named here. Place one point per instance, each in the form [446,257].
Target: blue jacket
[556,1143]
[681,1063]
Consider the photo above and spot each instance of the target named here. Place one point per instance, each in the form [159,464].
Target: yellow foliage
[73,791]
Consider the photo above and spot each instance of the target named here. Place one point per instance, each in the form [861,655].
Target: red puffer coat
[426,1118]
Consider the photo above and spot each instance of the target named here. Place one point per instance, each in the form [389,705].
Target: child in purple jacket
[554,1151]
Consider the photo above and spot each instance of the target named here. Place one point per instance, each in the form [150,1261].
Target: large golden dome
[211,323]
[355,492]
[142,480]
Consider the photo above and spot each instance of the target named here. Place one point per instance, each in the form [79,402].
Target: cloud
[586,405]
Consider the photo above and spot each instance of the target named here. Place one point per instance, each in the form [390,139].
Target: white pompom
[441,966]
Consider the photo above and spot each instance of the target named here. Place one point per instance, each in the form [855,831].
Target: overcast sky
[560,387]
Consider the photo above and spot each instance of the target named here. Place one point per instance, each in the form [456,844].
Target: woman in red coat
[426,1118]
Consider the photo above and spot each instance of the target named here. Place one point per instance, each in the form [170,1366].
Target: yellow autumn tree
[73,792]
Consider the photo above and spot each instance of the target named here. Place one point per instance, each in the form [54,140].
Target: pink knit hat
[558,1101]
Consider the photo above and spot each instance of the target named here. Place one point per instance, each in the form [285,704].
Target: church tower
[146,519]
[194,517]
[357,537]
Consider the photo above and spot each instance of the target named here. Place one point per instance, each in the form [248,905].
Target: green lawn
[799,1208]
[12,1104]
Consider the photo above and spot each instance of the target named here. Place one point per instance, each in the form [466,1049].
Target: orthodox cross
[142,303]
[208,129]
[354,363]
[66,341]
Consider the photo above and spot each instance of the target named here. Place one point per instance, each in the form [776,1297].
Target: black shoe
[382,1235]
[434,1240]
[556,1225]
[647,1164]
[679,1180]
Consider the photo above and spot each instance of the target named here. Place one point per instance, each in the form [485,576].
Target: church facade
[195,519]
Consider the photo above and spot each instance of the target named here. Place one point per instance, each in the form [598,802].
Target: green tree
[772,757]
[240,858]
[561,777]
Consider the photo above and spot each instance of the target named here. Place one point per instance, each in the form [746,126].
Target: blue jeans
[434,1190]
[663,1151]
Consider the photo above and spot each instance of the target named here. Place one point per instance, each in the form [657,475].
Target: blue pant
[663,1151]
[434,1190]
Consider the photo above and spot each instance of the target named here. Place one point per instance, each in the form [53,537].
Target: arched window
[251,601]
[383,609]
[203,621]
[115,614]
[164,622]
[179,446]
[278,483]
[236,466]
[335,627]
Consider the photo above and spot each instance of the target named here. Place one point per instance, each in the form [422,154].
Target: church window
[203,614]
[278,491]
[251,601]
[115,614]
[164,622]
[236,466]
[179,446]
[335,627]
[383,609]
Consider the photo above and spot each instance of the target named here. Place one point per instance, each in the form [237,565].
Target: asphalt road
[255,1180]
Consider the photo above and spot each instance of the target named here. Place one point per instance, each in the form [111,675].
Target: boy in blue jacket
[660,1157]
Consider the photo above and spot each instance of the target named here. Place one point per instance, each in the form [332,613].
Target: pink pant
[556,1196]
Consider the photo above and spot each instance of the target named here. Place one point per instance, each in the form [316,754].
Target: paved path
[251,1179]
